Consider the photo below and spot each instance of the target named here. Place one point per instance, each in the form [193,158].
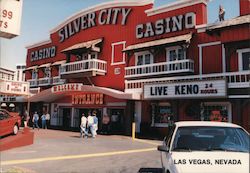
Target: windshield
[211,139]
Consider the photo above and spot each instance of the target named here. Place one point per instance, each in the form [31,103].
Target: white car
[205,147]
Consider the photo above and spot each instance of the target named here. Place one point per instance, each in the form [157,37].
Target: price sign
[10,18]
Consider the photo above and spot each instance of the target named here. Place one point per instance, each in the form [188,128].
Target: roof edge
[174,6]
[102,6]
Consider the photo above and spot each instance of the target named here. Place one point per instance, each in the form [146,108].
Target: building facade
[149,65]
[13,89]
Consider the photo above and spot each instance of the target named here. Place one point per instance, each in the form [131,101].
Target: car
[207,147]
[9,122]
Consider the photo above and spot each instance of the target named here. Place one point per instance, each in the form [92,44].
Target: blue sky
[40,16]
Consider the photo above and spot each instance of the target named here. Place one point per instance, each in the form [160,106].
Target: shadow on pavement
[150,170]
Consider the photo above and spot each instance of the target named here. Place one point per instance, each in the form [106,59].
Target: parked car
[207,147]
[9,122]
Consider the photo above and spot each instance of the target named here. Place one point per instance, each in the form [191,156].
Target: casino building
[135,62]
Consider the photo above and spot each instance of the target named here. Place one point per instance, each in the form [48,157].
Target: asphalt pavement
[57,151]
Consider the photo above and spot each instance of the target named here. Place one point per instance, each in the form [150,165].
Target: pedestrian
[83,126]
[221,13]
[90,124]
[95,125]
[47,120]
[26,118]
[35,120]
[43,121]
[105,124]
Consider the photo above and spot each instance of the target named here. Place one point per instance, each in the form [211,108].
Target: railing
[84,66]
[57,80]
[33,82]
[234,80]
[44,81]
[171,67]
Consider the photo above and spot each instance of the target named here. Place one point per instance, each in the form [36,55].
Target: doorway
[116,121]
[66,117]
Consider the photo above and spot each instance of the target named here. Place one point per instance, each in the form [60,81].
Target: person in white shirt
[83,127]
[91,124]
[47,117]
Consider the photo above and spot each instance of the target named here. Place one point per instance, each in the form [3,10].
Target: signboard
[85,99]
[196,89]
[67,87]
[14,88]
[166,25]
[44,53]
[104,17]
[10,18]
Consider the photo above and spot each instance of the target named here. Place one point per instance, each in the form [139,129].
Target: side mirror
[163,148]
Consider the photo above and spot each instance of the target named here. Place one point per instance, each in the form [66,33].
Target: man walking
[47,117]
[95,125]
[83,126]
[35,120]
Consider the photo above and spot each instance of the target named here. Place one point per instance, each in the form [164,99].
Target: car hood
[210,162]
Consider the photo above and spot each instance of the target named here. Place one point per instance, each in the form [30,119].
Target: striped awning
[59,62]
[165,41]
[32,67]
[84,45]
[45,65]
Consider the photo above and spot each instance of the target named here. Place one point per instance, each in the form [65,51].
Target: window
[244,59]
[34,74]
[47,72]
[143,58]
[118,57]
[216,112]
[162,114]
[175,53]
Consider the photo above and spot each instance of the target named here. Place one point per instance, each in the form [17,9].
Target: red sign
[85,99]
[67,87]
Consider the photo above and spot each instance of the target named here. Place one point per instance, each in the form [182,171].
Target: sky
[41,16]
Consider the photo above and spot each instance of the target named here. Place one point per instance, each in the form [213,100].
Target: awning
[84,45]
[182,38]
[59,62]
[49,96]
[232,22]
[45,65]
[32,67]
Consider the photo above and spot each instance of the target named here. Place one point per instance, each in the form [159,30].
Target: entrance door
[116,121]
[66,117]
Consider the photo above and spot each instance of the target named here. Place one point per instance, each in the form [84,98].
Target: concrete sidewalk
[53,150]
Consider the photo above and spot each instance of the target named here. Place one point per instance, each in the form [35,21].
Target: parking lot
[56,151]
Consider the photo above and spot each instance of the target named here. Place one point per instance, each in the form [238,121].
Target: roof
[45,65]
[49,96]
[177,39]
[84,45]
[232,22]
[32,68]
[205,123]
[59,62]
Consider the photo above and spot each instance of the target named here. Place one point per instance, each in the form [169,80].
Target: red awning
[49,96]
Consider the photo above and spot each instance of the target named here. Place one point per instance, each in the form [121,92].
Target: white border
[98,7]
[113,53]
[240,63]
[41,43]
[200,52]
[173,6]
